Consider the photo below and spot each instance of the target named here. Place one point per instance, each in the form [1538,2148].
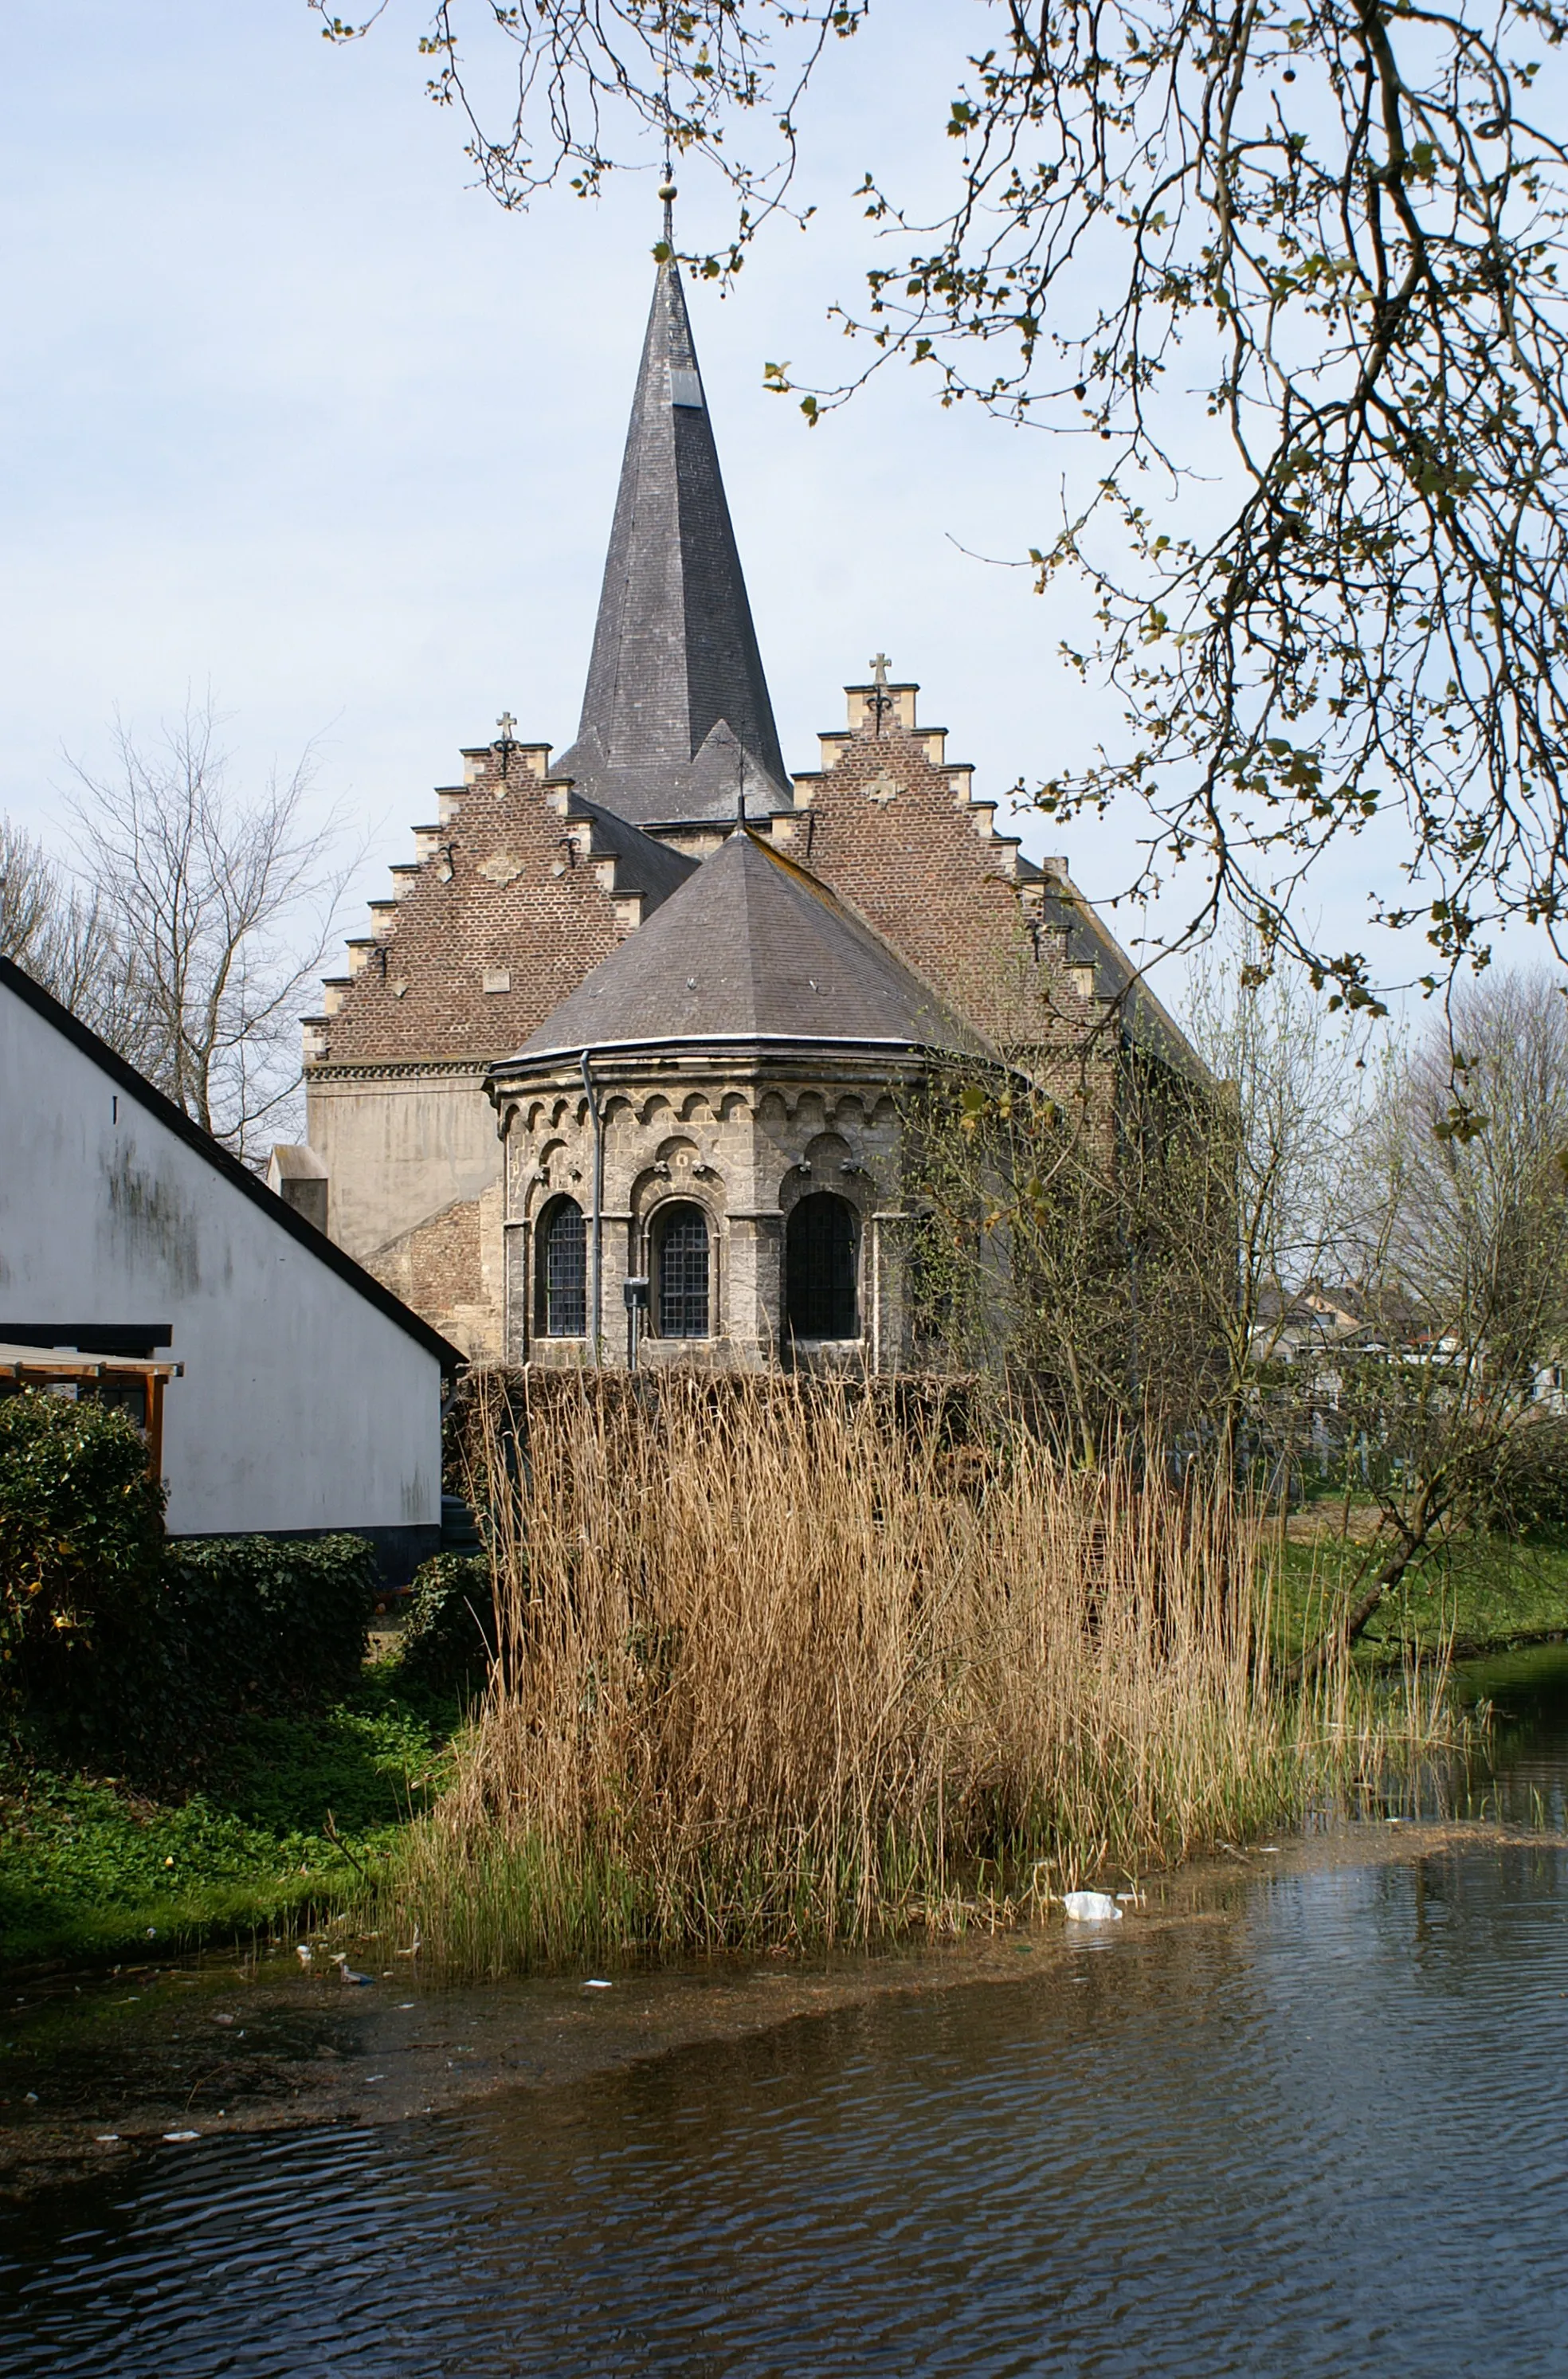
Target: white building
[308,1397]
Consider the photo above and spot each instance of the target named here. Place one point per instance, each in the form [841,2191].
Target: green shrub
[449,1634]
[1528,1488]
[81,1540]
[115,1644]
[262,1621]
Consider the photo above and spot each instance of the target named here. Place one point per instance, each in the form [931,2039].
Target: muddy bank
[99,2069]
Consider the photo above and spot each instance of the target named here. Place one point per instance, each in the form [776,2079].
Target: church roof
[676,713]
[751,948]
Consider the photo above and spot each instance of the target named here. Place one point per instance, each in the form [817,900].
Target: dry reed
[779,1666]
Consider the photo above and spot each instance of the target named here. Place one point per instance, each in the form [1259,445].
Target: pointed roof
[751,948]
[677,708]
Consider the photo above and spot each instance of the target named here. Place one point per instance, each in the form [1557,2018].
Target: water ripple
[1326,2137]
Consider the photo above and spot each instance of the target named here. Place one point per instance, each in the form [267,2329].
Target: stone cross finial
[506,723]
[881,701]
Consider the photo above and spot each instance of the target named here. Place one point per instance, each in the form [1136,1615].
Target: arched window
[681,1254]
[819,1267]
[560,1304]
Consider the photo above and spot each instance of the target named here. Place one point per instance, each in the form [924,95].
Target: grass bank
[776,1668]
[1478,1594]
[292,1814]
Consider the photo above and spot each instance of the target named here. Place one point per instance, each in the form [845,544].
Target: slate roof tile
[751,946]
[677,713]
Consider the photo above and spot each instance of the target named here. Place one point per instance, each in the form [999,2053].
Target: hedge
[117,1645]
[448,1636]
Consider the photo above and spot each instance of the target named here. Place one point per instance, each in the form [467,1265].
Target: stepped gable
[893,826]
[752,946]
[676,716]
[516,891]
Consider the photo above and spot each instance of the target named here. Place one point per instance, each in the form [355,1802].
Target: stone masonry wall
[743,1147]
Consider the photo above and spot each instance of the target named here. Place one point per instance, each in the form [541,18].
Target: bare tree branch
[1329,234]
[228,906]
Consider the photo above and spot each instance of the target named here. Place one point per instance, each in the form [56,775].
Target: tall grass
[779,1666]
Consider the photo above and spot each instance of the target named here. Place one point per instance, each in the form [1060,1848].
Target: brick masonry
[521,888]
[893,828]
[513,895]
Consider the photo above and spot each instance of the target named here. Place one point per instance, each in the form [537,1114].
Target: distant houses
[141,1262]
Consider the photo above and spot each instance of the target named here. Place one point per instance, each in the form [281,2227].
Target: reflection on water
[1323,2133]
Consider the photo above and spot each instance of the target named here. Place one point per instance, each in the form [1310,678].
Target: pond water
[1317,2125]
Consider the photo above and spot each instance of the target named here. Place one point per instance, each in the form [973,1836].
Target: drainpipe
[598,1273]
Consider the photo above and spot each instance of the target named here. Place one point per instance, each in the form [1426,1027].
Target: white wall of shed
[301,1405]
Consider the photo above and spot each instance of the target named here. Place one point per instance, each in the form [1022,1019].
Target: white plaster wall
[399,1150]
[301,1407]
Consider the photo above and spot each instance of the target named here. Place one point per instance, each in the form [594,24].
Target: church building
[621,1072]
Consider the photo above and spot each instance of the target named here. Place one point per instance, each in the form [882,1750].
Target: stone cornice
[742,1059]
[413,1070]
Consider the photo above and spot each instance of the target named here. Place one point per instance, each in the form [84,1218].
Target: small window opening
[820,1287]
[561,1301]
[681,1238]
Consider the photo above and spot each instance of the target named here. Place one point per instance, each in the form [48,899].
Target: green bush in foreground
[81,1549]
[118,1646]
[449,1634]
[259,1621]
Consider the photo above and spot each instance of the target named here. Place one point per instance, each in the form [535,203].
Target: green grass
[91,1868]
[1483,1593]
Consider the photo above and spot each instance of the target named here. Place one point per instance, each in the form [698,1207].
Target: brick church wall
[503,912]
[889,824]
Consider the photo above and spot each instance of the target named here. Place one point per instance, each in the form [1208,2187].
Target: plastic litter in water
[1090,1907]
[107,2138]
[182,2135]
[593,1984]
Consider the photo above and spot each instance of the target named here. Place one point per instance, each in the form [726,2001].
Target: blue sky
[296,414]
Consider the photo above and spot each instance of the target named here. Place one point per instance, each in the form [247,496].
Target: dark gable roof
[655,869]
[677,710]
[751,948]
[137,1086]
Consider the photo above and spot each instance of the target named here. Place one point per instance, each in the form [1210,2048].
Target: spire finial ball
[667,192]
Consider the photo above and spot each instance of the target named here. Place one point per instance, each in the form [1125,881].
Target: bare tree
[1298,1087]
[1331,234]
[62,936]
[1463,1248]
[1080,1234]
[227,906]
[1131,1232]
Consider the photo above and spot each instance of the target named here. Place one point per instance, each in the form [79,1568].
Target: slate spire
[676,720]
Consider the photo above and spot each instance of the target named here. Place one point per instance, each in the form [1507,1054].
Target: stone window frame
[648,1225]
[554,1200]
